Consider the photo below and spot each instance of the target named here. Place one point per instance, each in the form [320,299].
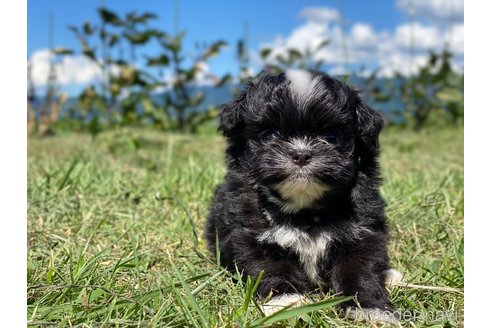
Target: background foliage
[163,93]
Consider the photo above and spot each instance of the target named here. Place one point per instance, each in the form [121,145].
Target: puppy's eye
[270,135]
[333,137]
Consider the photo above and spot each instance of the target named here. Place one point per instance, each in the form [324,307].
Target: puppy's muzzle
[301,157]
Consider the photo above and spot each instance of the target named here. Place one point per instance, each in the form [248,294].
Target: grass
[115,225]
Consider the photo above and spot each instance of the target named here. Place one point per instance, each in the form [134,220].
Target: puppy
[300,200]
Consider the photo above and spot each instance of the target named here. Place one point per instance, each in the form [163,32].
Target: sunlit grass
[115,231]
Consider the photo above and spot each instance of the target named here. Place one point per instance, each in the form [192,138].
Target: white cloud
[362,35]
[202,76]
[80,70]
[321,15]
[308,36]
[390,50]
[434,11]
[402,63]
[338,70]
[417,36]
[68,69]
[456,39]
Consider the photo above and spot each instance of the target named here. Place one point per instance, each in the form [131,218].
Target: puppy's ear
[232,117]
[369,124]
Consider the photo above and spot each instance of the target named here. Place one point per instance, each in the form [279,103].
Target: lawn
[115,232]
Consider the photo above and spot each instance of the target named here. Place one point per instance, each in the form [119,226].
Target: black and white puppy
[301,199]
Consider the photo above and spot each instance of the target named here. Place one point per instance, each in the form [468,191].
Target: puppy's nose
[301,157]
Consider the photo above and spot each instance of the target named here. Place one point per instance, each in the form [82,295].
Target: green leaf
[62,51]
[89,52]
[294,54]
[225,79]
[113,39]
[162,60]
[450,95]
[109,17]
[141,38]
[323,44]
[88,29]
[94,127]
[146,16]
[214,49]
[49,275]
[241,50]
[136,38]
[121,62]
[173,44]
[197,99]
[148,105]
[115,88]
[103,34]
[265,52]
[139,81]
[282,60]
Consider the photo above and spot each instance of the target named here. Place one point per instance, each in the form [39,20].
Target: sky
[364,35]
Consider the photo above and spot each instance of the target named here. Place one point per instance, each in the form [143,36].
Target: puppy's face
[297,134]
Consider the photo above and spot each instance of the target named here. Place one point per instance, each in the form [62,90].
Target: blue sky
[377,33]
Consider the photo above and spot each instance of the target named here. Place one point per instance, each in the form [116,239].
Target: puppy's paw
[277,303]
[392,276]
[371,315]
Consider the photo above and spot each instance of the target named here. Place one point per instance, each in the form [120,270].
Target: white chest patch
[310,249]
[299,194]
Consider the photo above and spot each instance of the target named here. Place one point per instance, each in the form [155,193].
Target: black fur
[340,133]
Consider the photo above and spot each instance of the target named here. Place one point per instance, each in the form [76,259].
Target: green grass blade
[190,297]
[67,174]
[288,313]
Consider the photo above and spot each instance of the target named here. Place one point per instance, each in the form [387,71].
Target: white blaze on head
[301,84]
